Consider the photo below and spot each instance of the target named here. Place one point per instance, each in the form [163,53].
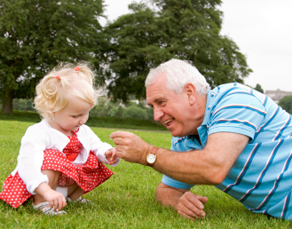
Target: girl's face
[71,117]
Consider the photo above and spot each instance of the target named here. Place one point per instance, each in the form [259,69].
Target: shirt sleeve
[238,112]
[174,183]
[30,159]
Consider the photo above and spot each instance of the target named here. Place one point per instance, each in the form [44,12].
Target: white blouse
[42,136]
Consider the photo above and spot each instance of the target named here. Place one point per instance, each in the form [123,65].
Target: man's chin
[175,134]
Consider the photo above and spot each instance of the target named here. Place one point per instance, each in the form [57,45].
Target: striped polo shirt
[261,177]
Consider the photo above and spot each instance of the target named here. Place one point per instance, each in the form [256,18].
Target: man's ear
[190,91]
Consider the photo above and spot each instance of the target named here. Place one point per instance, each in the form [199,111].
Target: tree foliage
[286,103]
[133,51]
[36,34]
[259,88]
[186,29]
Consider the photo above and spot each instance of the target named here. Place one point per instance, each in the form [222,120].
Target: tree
[258,87]
[187,29]
[133,50]
[286,103]
[35,35]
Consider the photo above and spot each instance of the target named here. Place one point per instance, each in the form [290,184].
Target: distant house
[277,95]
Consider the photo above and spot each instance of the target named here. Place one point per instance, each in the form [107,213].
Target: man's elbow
[216,177]
[216,180]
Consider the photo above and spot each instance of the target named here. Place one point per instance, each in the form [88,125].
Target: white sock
[63,190]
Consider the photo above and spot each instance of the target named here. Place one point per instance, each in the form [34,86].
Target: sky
[262,29]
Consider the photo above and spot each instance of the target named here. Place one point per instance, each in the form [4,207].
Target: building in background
[277,95]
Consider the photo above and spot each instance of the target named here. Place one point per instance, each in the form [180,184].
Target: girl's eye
[75,116]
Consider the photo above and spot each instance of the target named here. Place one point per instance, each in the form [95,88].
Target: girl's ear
[190,91]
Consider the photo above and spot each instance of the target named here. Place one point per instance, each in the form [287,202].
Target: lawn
[126,200]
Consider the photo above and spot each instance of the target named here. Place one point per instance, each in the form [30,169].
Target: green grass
[126,200]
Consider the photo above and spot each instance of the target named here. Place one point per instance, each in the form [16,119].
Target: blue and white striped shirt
[261,177]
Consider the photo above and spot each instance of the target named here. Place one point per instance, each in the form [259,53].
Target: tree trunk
[25,105]
[7,107]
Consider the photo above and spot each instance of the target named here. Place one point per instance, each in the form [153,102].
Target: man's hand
[130,147]
[186,203]
[191,206]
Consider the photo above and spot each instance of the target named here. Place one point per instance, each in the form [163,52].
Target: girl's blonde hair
[61,84]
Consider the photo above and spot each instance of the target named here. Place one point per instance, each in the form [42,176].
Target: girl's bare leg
[74,191]
[53,181]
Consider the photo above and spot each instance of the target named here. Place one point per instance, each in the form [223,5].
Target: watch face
[151,158]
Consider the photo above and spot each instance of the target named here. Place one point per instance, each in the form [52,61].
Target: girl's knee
[53,177]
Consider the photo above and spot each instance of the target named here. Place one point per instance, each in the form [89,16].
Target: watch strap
[153,151]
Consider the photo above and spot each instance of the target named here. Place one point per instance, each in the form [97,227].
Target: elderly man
[232,137]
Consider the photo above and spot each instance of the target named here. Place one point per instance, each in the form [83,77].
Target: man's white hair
[178,74]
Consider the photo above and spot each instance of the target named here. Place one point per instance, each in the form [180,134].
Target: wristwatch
[151,157]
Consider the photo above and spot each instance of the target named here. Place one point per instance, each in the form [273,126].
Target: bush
[135,112]
[286,103]
[103,108]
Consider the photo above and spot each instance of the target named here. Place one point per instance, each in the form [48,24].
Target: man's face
[171,109]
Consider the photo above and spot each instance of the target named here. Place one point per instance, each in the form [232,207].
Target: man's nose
[157,114]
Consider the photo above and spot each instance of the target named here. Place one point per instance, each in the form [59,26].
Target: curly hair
[63,83]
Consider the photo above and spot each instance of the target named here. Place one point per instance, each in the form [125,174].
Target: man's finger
[197,201]
[124,142]
[192,210]
[118,134]
[118,141]
[120,154]
[203,199]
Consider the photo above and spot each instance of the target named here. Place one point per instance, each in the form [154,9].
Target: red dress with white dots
[87,176]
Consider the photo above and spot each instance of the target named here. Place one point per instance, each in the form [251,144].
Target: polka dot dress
[88,176]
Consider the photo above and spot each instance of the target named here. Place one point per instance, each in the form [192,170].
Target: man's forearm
[189,167]
[208,166]
[168,196]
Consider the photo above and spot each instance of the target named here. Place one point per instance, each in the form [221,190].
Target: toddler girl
[60,156]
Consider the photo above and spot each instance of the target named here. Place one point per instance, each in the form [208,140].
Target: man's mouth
[167,122]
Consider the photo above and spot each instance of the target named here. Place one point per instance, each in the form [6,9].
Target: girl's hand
[111,156]
[55,199]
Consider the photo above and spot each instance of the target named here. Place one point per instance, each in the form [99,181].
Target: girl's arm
[100,148]
[30,158]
